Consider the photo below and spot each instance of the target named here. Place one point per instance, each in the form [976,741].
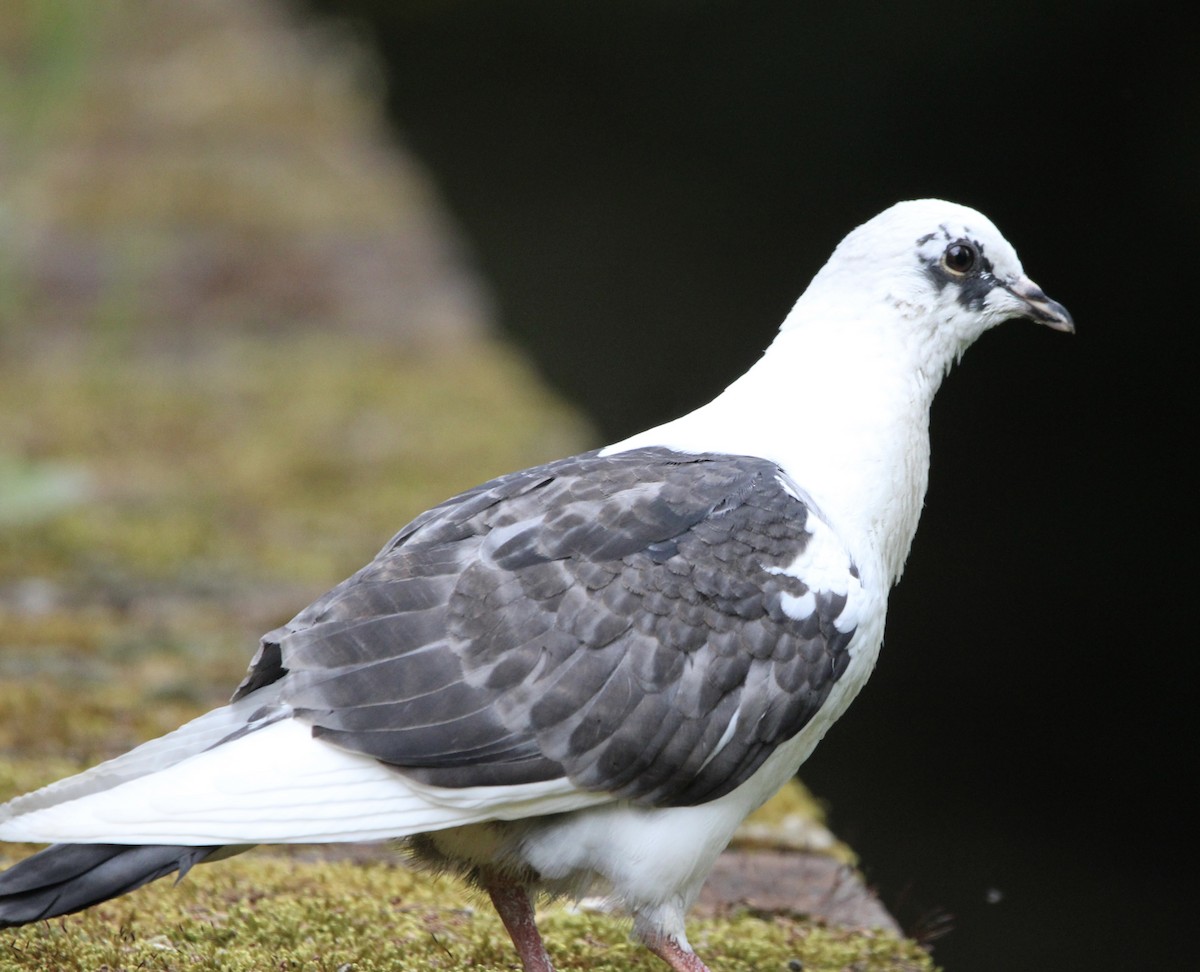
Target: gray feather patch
[599,618]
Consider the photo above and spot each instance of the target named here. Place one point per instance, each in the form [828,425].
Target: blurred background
[389,249]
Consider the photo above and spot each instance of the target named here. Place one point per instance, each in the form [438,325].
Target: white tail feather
[151,757]
[277,784]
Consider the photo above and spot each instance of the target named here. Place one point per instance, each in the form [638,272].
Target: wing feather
[628,623]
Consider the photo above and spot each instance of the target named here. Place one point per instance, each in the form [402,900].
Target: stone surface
[812,885]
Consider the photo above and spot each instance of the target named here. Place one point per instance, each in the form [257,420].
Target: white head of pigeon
[583,676]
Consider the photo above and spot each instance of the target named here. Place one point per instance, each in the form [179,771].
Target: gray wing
[610,619]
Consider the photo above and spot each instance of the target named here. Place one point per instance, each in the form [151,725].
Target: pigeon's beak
[1041,308]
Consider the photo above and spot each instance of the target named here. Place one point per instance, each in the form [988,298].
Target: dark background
[647,186]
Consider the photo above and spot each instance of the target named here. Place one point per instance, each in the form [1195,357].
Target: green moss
[292,459]
[265,911]
[793,819]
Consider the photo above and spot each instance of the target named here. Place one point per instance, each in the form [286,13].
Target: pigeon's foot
[668,949]
[514,903]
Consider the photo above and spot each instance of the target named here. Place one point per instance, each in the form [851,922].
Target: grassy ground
[236,353]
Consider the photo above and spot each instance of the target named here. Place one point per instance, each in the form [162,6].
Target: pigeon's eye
[960,258]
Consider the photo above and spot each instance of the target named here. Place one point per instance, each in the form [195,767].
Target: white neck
[851,429]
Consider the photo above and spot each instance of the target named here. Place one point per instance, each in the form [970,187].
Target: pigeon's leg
[667,948]
[514,904]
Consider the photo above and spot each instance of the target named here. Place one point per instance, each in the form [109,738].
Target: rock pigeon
[580,678]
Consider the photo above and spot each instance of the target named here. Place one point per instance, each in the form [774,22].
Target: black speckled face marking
[973,286]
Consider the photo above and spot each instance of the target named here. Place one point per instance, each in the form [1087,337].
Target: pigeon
[578,679]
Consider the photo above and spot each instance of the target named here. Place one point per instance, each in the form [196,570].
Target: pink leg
[515,908]
[674,954]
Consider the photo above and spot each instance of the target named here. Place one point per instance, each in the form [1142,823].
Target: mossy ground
[283,914]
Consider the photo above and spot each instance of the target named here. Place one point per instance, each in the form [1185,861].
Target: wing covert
[629,621]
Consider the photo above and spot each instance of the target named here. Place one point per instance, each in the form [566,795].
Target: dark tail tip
[65,878]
